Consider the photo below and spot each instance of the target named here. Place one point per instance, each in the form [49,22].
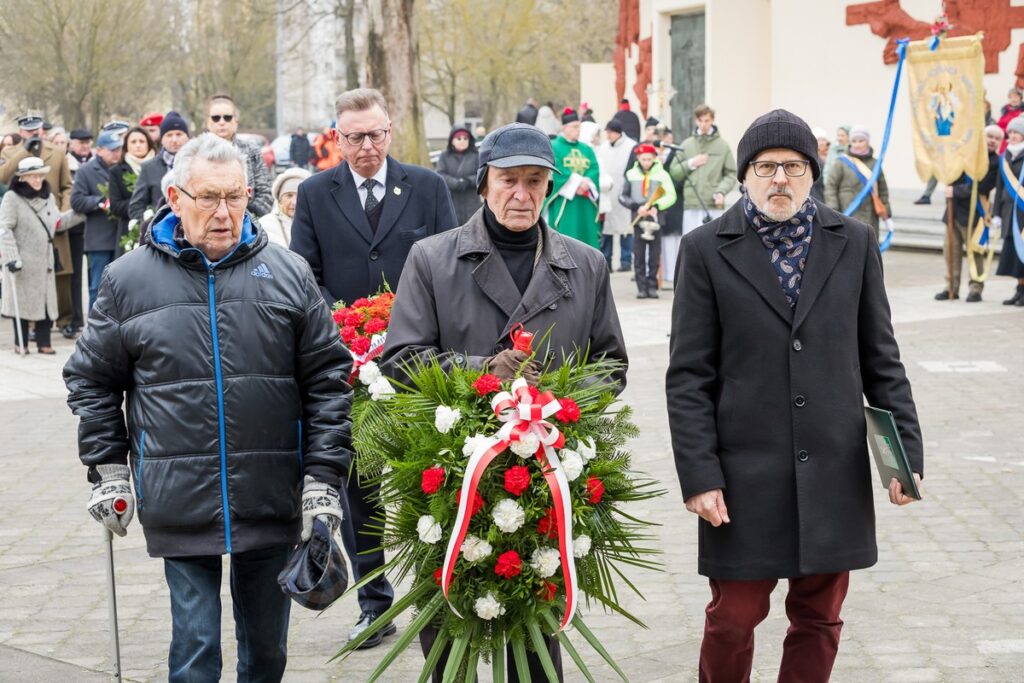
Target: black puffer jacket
[235,385]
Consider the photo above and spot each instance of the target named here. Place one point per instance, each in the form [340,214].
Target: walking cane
[17,315]
[120,505]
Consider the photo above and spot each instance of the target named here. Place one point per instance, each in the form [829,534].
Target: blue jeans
[625,249]
[261,612]
[98,260]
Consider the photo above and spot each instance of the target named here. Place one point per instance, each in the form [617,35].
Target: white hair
[207,147]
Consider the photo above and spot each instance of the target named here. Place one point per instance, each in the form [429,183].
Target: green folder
[887,449]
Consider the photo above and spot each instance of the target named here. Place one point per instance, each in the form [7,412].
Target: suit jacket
[147,192]
[331,231]
[766,402]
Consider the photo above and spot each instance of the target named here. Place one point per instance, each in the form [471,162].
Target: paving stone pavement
[944,603]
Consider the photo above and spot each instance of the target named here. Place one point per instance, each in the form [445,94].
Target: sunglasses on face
[217,117]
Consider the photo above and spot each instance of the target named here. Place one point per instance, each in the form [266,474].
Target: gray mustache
[779,190]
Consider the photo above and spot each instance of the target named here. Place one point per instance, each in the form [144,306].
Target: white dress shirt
[381,176]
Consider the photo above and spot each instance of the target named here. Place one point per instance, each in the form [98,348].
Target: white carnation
[545,561]
[475,548]
[428,529]
[572,463]
[508,515]
[587,449]
[581,546]
[488,607]
[147,214]
[526,446]
[381,389]
[472,443]
[445,418]
[369,373]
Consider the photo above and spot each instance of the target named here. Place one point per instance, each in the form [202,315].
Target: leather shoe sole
[378,637]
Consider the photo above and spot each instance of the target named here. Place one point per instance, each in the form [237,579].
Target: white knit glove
[112,503]
[319,501]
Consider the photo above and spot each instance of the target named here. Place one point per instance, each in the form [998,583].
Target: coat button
[802,456]
[374,255]
[460,359]
[553,306]
[797,345]
[799,401]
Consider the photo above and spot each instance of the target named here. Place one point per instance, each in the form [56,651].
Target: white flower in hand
[587,449]
[475,549]
[369,372]
[572,463]
[545,561]
[472,443]
[581,546]
[526,446]
[445,418]
[381,389]
[488,607]
[508,515]
[428,529]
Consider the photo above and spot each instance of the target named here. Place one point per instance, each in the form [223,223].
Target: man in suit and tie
[355,224]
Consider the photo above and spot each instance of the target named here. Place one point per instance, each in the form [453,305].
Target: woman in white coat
[278,223]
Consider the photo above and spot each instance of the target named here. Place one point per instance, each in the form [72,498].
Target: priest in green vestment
[572,206]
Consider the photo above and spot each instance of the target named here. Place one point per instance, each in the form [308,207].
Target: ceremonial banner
[948,105]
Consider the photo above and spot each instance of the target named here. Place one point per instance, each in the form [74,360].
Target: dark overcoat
[331,231]
[458,302]
[766,402]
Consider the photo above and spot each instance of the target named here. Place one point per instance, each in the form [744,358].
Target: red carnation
[432,479]
[437,576]
[361,302]
[339,316]
[548,524]
[509,565]
[547,591]
[570,412]
[374,325]
[487,384]
[348,333]
[517,479]
[478,502]
[595,490]
[386,297]
[359,345]
[355,318]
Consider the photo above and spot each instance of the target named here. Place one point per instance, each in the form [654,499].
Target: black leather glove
[13,266]
[509,364]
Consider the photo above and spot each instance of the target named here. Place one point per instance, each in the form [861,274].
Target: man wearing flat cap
[780,330]
[463,291]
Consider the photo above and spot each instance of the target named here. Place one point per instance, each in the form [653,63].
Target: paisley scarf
[787,242]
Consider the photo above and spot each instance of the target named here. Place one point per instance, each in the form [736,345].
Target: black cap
[47,125]
[569,115]
[30,122]
[778,128]
[80,134]
[651,121]
[517,144]
[614,126]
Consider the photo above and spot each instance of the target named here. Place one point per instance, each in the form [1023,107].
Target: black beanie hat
[569,115]
[778,128]
[614,126]
[173,121]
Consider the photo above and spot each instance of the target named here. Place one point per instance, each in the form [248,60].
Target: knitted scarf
[787,243]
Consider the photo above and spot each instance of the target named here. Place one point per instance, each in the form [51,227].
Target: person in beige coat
[28,221]
[278,223]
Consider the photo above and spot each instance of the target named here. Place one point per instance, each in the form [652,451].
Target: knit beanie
[173,121]
[1016,125]
[569,115]
[778,128]
[860,132]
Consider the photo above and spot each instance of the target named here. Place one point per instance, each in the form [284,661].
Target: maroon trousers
[812,640]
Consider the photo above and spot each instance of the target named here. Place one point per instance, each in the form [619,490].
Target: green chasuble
[577,217]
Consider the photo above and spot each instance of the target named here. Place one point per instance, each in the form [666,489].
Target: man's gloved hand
[13,266]
[319,501]
[505,365]
[112,503]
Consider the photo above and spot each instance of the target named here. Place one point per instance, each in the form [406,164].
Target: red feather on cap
[568,110]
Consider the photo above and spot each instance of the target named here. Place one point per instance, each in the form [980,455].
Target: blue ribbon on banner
[901,51]
[934,45]
[1018,240]
[979,210]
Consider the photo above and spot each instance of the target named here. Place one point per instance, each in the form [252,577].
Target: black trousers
[76,240]
[646,259]
[358,538]
[537,675]
[42,328]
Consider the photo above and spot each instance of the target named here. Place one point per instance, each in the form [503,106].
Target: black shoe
[69,332]
[1016,298]
[652,291]
[923,199]
[944,295]
[625,269]
[643,294]
[365,619]
[973,297]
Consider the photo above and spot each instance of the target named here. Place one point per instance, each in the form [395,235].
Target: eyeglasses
[210,202]
[217,117]
[356,139]
[768,169]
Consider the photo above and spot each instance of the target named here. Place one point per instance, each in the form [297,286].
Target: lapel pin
[398,190]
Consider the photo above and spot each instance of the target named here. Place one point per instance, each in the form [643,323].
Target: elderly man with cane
[234,429]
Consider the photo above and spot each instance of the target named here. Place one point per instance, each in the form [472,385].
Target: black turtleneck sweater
[517,249]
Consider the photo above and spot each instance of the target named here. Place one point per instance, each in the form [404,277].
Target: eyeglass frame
[804,163]
[220,198]
[363,135]
[217,117]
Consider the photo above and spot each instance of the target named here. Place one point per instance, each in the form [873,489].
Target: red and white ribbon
[522,416]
